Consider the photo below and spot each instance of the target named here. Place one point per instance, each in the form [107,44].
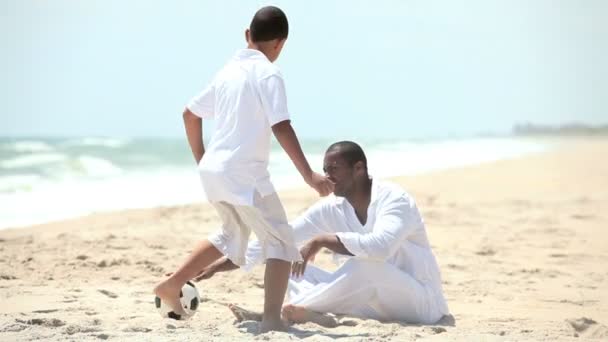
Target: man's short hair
[350,151]
[268,23]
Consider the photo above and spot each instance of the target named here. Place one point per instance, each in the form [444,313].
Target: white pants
[266,219]
[365,289]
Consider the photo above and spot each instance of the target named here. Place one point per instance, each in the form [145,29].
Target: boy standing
[247,99]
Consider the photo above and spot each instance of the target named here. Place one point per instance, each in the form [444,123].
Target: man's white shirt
[394,232]
[246,98]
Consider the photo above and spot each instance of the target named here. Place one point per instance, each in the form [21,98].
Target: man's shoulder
[326,205]
[392,189]
[390,192]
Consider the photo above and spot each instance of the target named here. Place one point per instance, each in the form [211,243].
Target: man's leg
[202,256]
[365,289]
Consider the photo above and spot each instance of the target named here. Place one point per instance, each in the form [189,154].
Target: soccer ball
[189,298]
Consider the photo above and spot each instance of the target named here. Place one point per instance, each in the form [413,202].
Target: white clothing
[267,220]
[366,289]
[246,98]
[393,240]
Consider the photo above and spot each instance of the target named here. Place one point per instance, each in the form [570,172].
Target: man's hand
[322,184]
[308,252]
[312,247]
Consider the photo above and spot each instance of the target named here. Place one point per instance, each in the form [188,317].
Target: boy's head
[268,31]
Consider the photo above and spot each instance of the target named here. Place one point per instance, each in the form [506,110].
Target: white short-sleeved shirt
[246,98]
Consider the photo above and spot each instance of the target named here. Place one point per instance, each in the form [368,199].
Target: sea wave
[103,142]
[27,146]
[18,183]
[32,160]
[96,167]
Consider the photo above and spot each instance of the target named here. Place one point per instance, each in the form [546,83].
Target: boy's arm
[289,141]
[194,132]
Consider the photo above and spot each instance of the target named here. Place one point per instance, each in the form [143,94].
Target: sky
[352,68]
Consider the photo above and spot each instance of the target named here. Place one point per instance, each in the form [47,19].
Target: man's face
[340,172]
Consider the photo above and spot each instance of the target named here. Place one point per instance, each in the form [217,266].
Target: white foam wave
[30,146]
[105,142]
[18,183]
[32,160]
[97,167]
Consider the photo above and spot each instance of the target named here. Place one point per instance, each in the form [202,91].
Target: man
[391,272]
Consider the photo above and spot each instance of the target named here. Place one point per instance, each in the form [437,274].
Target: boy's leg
[276,276]
[269,222]
[168,290]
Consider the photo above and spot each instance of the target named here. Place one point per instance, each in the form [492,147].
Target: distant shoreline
[570,129]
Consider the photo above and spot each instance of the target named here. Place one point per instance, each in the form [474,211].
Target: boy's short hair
[268,23]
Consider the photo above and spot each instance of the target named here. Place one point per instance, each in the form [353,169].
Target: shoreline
[521,245]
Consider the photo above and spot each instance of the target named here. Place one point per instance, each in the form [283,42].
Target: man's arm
[331,242]
[288,140]
[396,221]
[194,132]
[312,247]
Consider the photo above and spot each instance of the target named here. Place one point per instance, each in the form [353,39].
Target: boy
[247,99]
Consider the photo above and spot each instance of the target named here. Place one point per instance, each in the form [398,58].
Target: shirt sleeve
[274,99]
[203,105]
[305,227]
[396,221]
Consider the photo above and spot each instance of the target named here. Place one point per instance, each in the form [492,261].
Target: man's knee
[362,269]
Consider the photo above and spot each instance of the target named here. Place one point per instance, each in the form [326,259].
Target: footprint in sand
[45,311]
[73,329]
[588,328]
[108,293]
[434,330]
[137,329]
[487,251]
[46,322]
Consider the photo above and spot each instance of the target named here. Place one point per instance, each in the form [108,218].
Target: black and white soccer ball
[189,298]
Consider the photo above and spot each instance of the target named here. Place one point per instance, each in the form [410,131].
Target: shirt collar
[373,198]
[250,54]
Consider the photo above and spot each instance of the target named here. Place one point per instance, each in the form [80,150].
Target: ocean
[48,179]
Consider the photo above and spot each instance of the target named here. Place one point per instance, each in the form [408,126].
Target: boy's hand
[322,184]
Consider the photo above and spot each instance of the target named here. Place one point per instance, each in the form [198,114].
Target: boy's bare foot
[298,314]
[242,314]
[168,292]
[272,325]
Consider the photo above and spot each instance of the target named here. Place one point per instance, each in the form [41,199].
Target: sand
[522,245]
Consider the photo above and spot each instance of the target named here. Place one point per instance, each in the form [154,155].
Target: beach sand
[522,245]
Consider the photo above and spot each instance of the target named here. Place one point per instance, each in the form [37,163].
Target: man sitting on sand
[391,273]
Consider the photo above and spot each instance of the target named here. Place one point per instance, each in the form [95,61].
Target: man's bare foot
[298,314]
[168,292]
[242,314]
[272,325]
